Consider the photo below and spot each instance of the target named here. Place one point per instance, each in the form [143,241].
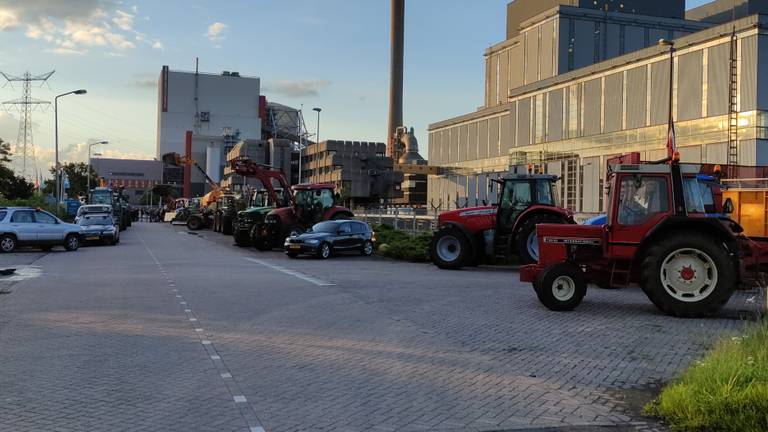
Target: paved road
[171,331]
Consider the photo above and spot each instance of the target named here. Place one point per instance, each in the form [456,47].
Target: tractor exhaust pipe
[397,37]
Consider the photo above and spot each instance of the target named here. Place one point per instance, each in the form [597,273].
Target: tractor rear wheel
[688,275]
[242,239]
[450,249]
[561,287]
[194,223]
[527,242]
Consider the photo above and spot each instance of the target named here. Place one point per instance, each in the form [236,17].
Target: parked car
[21,226]
[92,209]
[100,227]
[329,237]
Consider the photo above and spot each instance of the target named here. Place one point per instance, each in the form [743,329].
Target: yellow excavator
[202,216]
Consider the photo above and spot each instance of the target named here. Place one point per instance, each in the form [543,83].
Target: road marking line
[257,429]
[193,319]
[199,330]
[188,310]
[206,342]
[293,273]
[226,375]
[240,399]
[215,357]
[182,303]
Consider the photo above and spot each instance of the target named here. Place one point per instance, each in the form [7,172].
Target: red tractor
[466,236]
[311,203]
[657,234]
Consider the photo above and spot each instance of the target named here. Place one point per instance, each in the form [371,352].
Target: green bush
[727,391]
[402,245]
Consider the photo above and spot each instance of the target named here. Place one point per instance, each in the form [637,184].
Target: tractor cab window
[322,198]
[517,195]
[544,193]
[642,197]
[694,195]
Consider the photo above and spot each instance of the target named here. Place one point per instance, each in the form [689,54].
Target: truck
[116,199]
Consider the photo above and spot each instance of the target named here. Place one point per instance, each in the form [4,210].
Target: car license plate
[295,246]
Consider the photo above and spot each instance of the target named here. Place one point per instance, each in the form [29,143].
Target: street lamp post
[671,119]
[88,175]
[59,187]
[317,135]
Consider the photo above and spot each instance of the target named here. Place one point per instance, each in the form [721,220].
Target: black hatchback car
[329,237]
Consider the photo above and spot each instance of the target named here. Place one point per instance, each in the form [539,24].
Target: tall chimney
[396,74]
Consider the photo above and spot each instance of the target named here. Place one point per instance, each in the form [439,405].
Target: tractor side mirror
[728,206]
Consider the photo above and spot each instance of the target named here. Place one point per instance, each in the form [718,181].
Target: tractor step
[621,272]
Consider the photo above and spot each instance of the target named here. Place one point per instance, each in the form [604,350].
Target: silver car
[92,209]
[21,226]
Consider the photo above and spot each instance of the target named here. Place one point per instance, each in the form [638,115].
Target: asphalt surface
[173,331]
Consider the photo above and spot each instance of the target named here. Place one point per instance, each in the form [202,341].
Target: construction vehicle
[116,198]
[225,212]
[468,236]
[657,236]
[200,216]
[275,193]
[310,204]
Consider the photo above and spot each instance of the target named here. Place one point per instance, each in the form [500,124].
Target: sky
[332,54]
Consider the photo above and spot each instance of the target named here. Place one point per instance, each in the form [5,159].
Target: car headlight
[312,241]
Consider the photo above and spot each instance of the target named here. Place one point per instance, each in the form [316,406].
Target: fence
[406,219]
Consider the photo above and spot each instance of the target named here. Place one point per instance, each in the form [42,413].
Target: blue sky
[328,53]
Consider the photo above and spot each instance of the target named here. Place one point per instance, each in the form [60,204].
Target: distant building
[361,171]
[220,110]
[136,175]
[578,82]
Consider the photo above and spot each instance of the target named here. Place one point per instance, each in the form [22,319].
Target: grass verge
[726,391]
[402,245]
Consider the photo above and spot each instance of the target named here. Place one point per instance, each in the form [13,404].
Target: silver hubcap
[72,242]
[563,288]
[448,248]
[368,249]
[688,275]
[325,251]
[7,244]
[533,245]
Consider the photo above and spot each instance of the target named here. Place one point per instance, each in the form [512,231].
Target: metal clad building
[605,97]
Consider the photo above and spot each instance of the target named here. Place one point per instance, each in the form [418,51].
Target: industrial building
[577,82]
[135,175]
[361,171]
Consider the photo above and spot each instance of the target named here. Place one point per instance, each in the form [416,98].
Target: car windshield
[326,227]
[96,220]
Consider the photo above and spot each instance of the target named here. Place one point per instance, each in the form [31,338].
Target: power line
[25,105]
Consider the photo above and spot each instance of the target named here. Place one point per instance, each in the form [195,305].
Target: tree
[5,153]
[78,181]
[12,186]
[167,192]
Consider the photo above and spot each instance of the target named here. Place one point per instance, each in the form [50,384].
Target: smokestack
[396,74]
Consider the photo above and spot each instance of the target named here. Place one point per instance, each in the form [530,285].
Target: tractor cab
[312,201]
[519,193]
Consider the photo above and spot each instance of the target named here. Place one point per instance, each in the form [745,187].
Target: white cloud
[301,88]
[216,32]
[8,20]
[123,20]
[65,51]
[74,25]
[158,45]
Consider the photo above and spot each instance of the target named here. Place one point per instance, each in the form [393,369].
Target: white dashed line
[215,357]
[257,429]
[187,310]
[199,330]
[292,273]
[206,342]
[193,319]
[240,399]
[226,375]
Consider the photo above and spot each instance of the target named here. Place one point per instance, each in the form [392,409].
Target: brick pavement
[388,347]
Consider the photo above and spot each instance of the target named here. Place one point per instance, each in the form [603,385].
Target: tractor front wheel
[688,275]
[450,249]
[561,287]
[526,240]
[194,223]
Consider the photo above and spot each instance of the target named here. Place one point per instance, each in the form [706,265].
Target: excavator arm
[245,167]
[176,159]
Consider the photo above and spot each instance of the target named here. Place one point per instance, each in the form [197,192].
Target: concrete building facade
[361,171]
[568,115]
[136,175]
[220,109]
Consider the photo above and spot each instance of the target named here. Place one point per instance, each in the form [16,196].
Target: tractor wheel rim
[368,249]
[325,250]
[7,244]
[532,245]
[563,288]
[689,275]
[448,248]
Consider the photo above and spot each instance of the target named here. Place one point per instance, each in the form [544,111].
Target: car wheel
[324,251]
[72,242]
[367,248]
[7,243]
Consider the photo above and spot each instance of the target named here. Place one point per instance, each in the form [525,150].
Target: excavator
[200,217]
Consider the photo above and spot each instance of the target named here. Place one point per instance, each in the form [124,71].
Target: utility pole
[25,147]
